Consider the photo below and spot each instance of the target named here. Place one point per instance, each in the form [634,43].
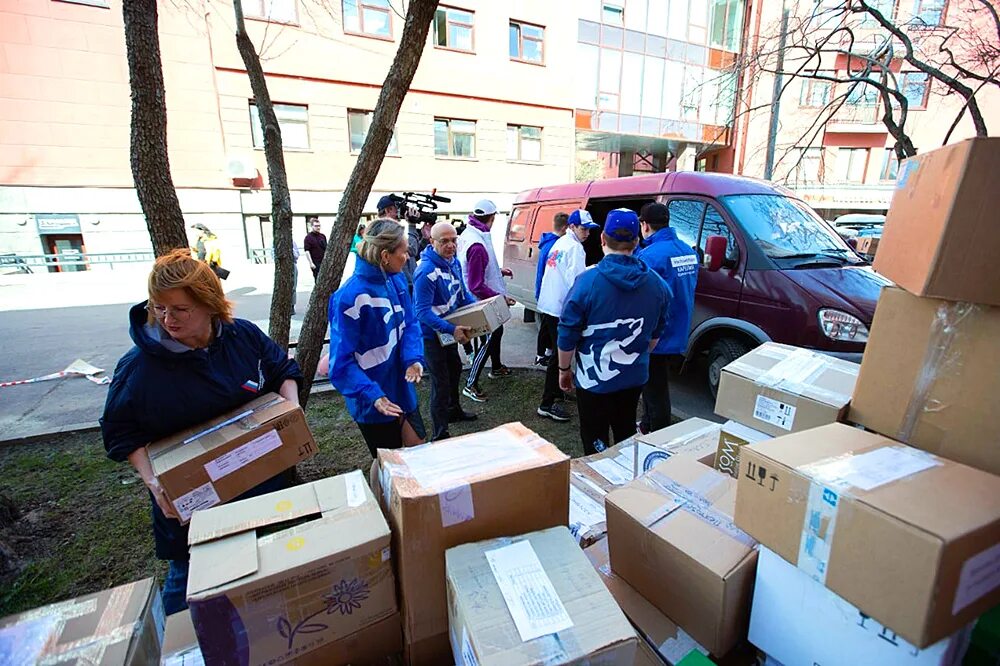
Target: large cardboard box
[532,599]
[694,438]
[779,389]
[483,317]
[732,437]
[940,237]
[671,642]
[671,537]
[911,539]
[278,576]
[490,484]
[122,626]
[867,245]
[931,376]
[587,520]
[375,645]
[799,622]
[217,461]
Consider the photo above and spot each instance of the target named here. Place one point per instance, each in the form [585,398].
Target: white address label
[528,591]
[201,497]
[241,456]
[354,487]
[774,412]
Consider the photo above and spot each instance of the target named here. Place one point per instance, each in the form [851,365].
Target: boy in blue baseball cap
[613,316]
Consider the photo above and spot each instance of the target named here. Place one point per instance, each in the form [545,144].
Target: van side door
[524,275]
[517,254]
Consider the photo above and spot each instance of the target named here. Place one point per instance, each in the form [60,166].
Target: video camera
[417,207]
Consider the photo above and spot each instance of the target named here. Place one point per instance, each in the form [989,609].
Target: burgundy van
[771,268]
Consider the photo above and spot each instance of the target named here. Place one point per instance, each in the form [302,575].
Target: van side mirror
[715,253]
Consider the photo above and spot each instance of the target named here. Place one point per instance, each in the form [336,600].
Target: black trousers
[444,367]
[389,435]
[656,394]
[488,349]
[546,341]
[551,392]
[601,412]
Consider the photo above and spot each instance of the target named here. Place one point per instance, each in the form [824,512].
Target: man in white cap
[484,278]
[564,263]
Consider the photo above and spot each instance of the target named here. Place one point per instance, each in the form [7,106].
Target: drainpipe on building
[772,132]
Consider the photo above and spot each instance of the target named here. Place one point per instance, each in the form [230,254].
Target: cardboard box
[671,537]
[483,317]
[122,626]
[867,245]
[779,389]
[931,377]
[940,237]
[532,599]
[911,539]
[645,655]
[587,520]
[375,645]
[798,621]
[318,571]
[221,459]
[672,643]
[489,484]
[694,438]
[732,437]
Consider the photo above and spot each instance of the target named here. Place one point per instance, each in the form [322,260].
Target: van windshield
[785,228]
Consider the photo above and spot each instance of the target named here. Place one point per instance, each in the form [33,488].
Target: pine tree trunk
[150,165]
[397,82]
[281,201]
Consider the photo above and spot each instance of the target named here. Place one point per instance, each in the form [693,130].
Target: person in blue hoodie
[439,290]
[613,316]
[545,346]
[376,355]
[192,361]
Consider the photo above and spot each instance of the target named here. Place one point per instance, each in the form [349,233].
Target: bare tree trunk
[281,201]
[150,165]
[397,82]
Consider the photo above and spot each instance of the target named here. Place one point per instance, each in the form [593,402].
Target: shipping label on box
[909,537]
[122,626]
[483,317]
[270,597]
[217,461]
[532,599]
[779,389]
[733,436]
[797,620]
[694,438]
[489,484]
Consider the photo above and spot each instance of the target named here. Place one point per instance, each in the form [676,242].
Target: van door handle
[529,252]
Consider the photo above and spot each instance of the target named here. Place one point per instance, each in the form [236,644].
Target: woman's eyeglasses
[182,313]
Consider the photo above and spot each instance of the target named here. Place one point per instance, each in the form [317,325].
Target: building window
[726,24]
[851,165]
[293,121]
[612,14]
[862,94]
[915,86]
[890,165]
[929,13]
[524,143]
[527,42]
[808,166]
[358,123]
[277,11]
[454,138]
[453,29]
[368,17]
[883,7]
[815,93]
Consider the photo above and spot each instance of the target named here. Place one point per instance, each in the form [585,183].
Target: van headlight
[841,326]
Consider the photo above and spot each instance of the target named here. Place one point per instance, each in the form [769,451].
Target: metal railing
[24,263]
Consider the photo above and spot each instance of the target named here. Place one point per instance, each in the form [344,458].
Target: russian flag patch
[250,385]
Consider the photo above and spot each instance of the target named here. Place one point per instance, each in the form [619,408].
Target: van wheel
[720,354]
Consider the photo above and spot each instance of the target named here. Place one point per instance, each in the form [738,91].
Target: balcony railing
[852,114]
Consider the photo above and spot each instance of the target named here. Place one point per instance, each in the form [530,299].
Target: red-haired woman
[191,362]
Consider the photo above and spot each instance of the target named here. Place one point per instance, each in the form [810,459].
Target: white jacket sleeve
[576,263]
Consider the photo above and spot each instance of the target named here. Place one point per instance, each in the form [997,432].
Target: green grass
[85,522]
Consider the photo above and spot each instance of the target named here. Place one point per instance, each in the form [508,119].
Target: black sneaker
[543,361]
[554,412]
[460,416]
[502,371]
[475,394]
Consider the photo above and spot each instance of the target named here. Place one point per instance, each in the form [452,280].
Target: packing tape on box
[692,499]
[941,356]
[798,372]
[680,443]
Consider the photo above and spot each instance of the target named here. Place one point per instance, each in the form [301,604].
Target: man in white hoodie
[566,261]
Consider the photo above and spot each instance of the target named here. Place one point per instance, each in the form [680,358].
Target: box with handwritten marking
[909,538]
[532,599]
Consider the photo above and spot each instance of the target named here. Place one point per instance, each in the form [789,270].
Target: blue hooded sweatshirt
[677,263]
[545,244]
[438,290]
[373,340]
[161,387]
[611,314]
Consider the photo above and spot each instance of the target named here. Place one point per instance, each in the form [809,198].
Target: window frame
[448,22]
[517,233]
[520,42]
[808,87]
[615,7]
[393,142]
[254,15]
[864,172]
[520,137]
[451,138]
[888,159]
[917,22]
[255,114]
[927,89]
[362,5]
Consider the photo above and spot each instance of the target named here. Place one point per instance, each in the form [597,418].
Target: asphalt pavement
[49,320]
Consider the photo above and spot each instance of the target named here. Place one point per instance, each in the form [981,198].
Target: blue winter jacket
[373,339]
[160,387]
[677,263]
[545,244]
[438,290]
[611,314]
